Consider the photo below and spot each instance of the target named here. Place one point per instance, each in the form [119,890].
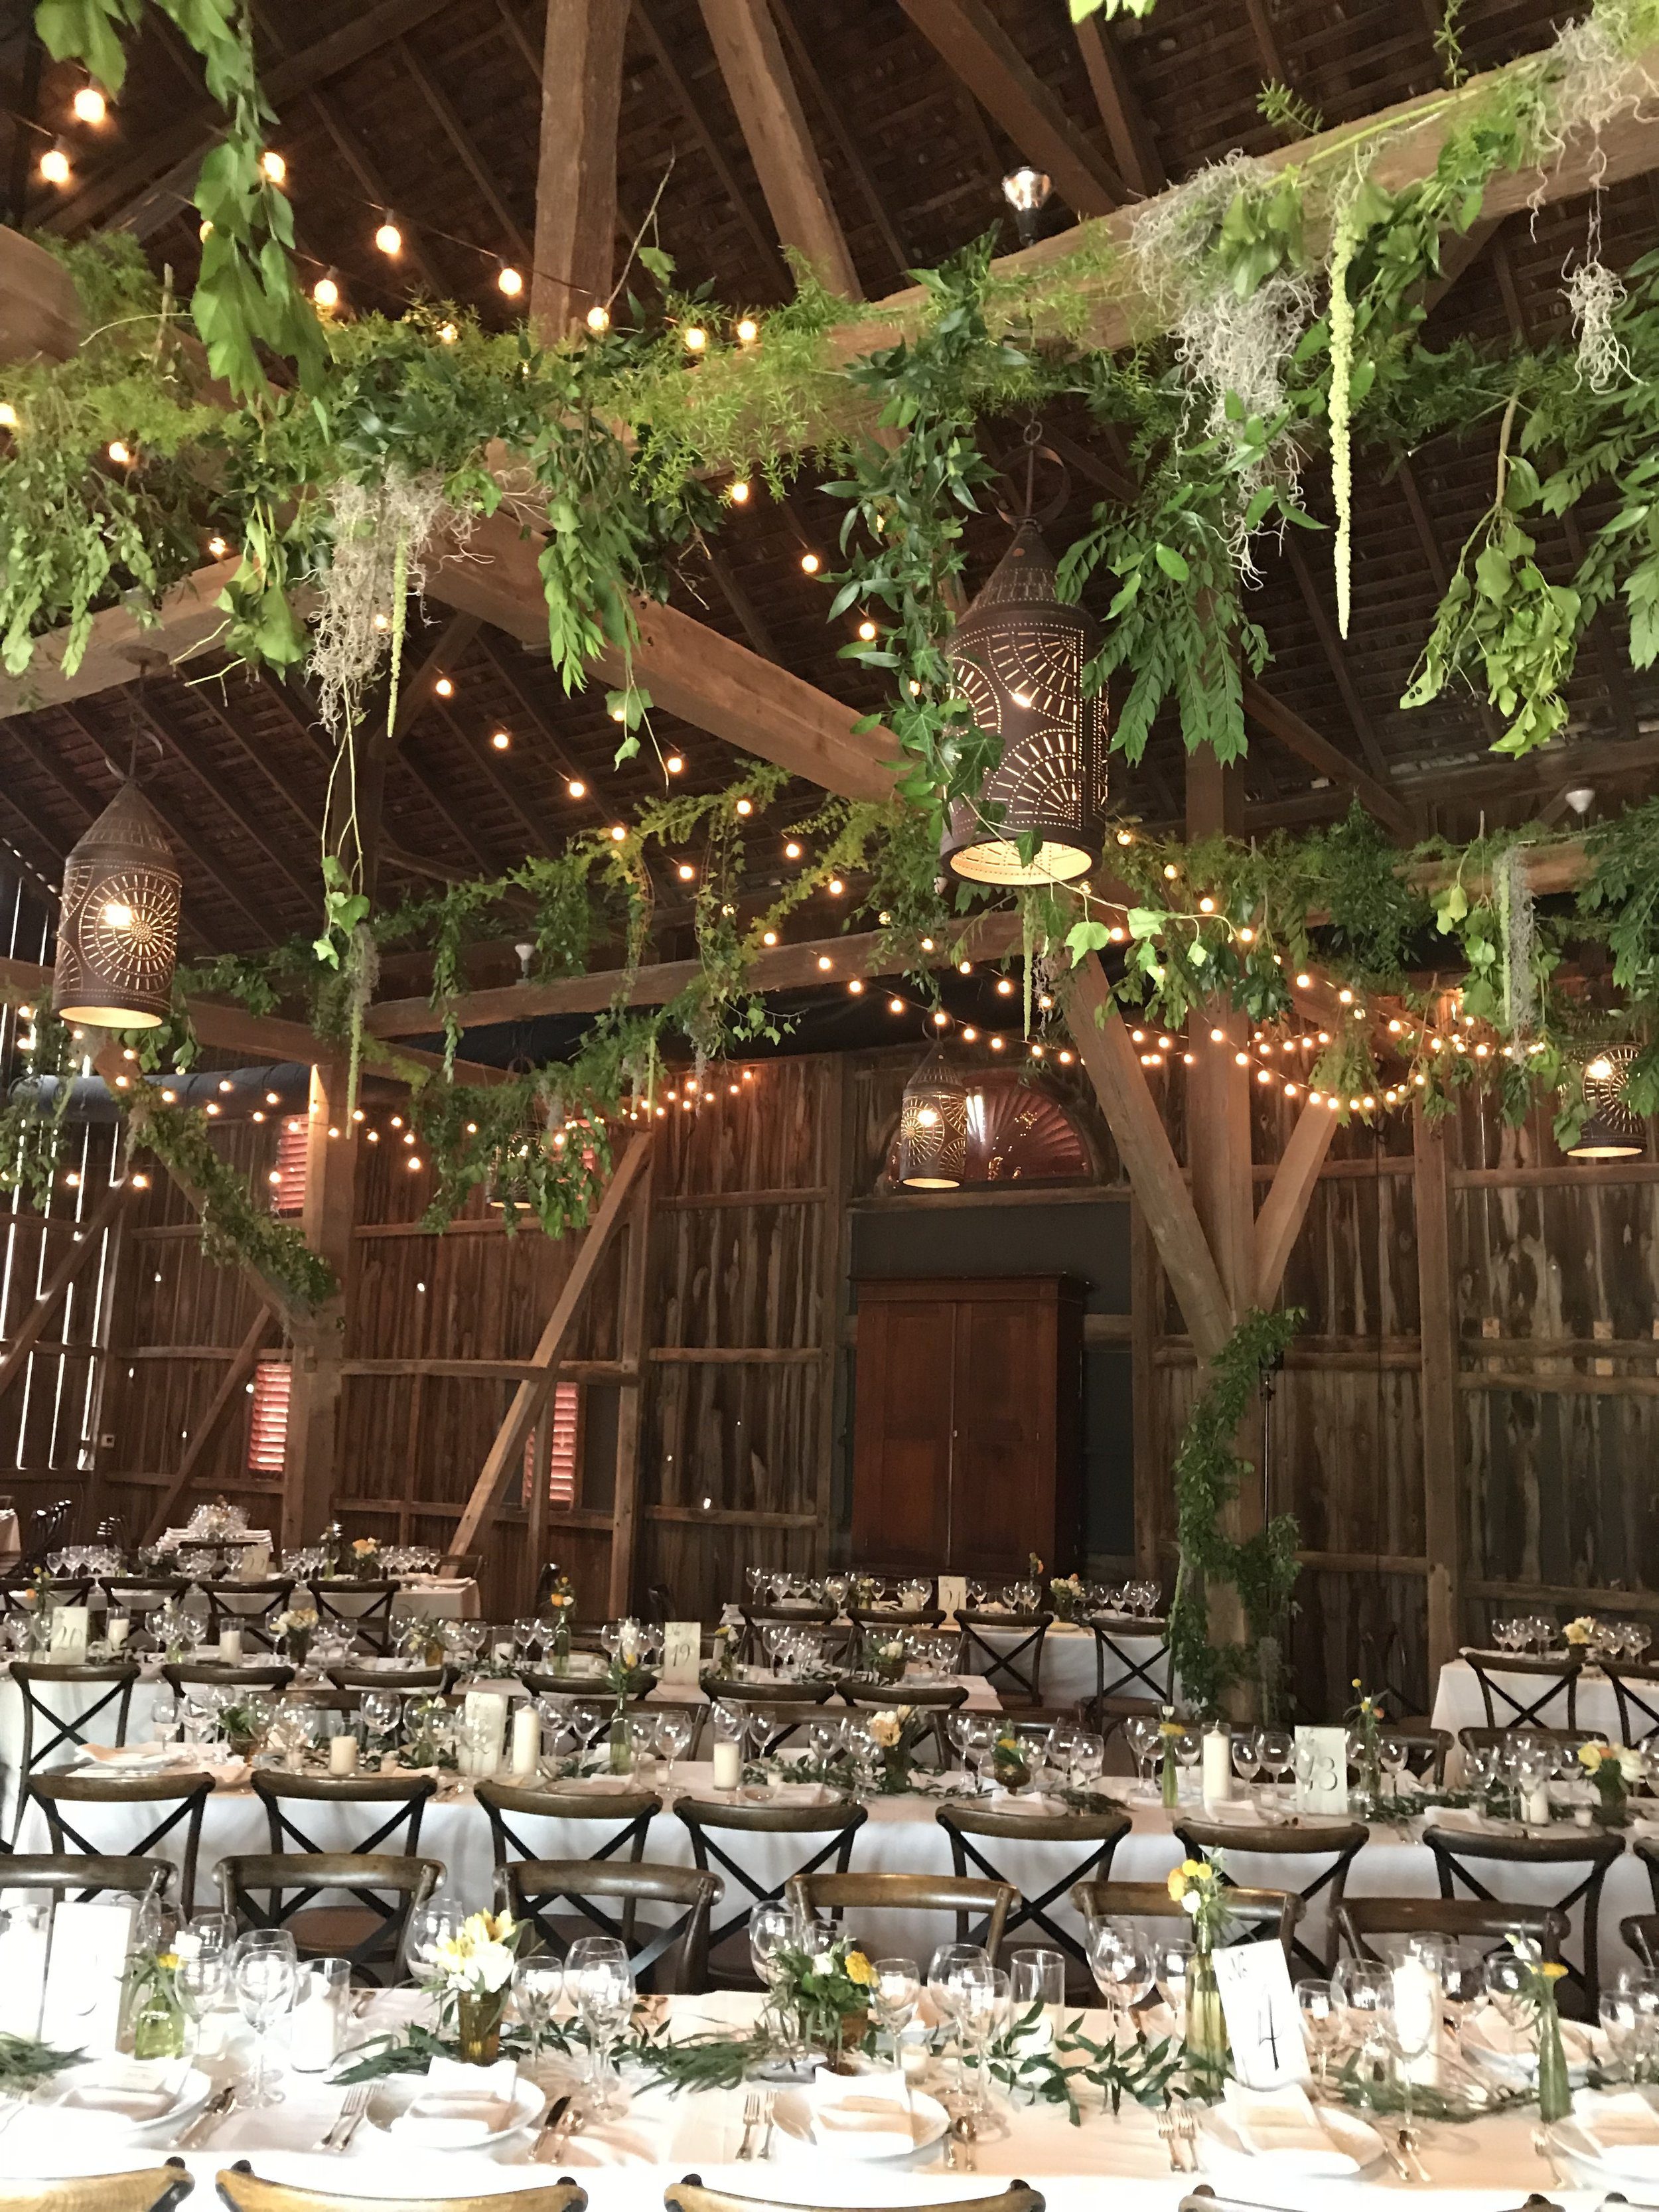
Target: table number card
[1325,1787]
[84,1975]
[1264,2021]
[71,1624]
[952,1594]
[682,1650]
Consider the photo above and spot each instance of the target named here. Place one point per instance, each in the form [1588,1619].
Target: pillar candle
[1536,1810]
[526,1738]
[230,1646]
[342,1753]
[728,1765]
[1218,1767]
[1417,2016]
[117,1629]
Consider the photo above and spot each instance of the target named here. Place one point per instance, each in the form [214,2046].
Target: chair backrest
[786,1718]
[1340,1844]
[183,1795]
[507,1806]
[147,2189]
[1636,1690]
[407,1794]
[1457,1851]
[400,1679]
[79,1876]
[1121,1673]
[364,1607]
[1363,1921]
[1641,1931]
[1263,1915]
[737,1693]
[1016,1672]
[251,1606]
[205,1672]
[292,1881]
[461,1566]
[1426,1750]
[1516,1690]
[988,1902]
[1081,1846]
[673,1962]
[690,2196]
[35,1680]
[139,1593]
[837,1824]
[1485,1739]
[879,1616]
[242,2190]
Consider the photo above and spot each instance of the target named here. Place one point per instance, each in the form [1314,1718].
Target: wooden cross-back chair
[1555,1705]
[691,2195]
[629,1812]
[836,1823]
[33,1676]
[1364,1922]
[408,1794]
[1637,1691]
[17,1592]
[186,1794]
[1119,1674]
[147,2189]
[818,1617]
[368,1614]
[1087,1842]
[249,1606]
[605,1900]
[1454,1849]
[1264,1914]
[243,2191]
[385,1890]
[213,1675]
[1015,1675]
[1341,1844]
[981,1907]
[75,1877]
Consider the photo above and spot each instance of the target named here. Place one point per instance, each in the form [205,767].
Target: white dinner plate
[62,2102]
[1585,2163]
[389,2098]
[1221,2153]
[794,2136]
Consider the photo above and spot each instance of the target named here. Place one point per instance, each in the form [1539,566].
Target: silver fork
[751,2115]
[1185,2122]
[345,2120]
[1167,2129]
[767,2100]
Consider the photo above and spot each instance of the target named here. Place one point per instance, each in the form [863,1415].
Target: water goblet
[1146,1741]
[264,1976]
[675,1730]
[1088,1757]
[983,2003]
[894,1996]
[601,1981]
[537,1981]
[1189,1749]
[1124,1968]
[1247,1757]
[1277,1752]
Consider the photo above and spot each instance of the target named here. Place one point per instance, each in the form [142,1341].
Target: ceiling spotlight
[1026,191]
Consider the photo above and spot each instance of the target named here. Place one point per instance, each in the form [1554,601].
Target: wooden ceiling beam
[415,693]
[121,645]
[975,48]
[691,109]
[160,718]
[1300,738]
[461,139]
[767,108]
[576,168]
[1127,131]
[596,787]
[830,109]
[40,317]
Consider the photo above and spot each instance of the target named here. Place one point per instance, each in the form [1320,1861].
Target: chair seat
[731,1965]
[322,1932]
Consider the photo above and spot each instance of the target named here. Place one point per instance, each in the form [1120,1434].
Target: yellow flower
[858,1969]
[1176,1884]
[1193,1870]
[1552,1970]
[1589,1755]
[168,1962]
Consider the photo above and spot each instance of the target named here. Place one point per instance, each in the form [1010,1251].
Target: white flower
[885,1730]
[1631,1764]
[1191,1904]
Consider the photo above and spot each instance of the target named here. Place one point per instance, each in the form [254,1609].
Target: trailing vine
[1262,1569]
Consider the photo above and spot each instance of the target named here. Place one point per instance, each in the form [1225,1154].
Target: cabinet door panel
[902,1434]
[1002,1492]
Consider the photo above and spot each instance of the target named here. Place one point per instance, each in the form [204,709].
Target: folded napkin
[1487,2029]
[460,2105]
[801,1793]
[115,2094]
[597,1785]
[1282,2125]
[864,2117]
[1032,1806]
[1622,2128]
[141,1754]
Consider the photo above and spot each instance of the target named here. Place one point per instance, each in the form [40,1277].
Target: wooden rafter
[1338,659]
[974,45]
[576,170]
[507,1452]
[1285,1208]
[741,200]
[160,718]
[834,121]
[595,802]
[1300,738]
[39,308]
[461,139]
[762,93]
[1127,131]
[120,645]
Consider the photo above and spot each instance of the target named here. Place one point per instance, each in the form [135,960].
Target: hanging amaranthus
[1341,407]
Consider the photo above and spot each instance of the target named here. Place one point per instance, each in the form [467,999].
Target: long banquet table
[1489,2166]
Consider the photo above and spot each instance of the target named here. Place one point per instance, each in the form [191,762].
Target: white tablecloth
[1458,1704]
[623,2164]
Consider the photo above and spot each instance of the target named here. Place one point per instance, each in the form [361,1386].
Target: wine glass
[674,1732]
[603,1989]
[1088,1756]
[537,1980]
[983,2001]
[1189,1749]
[164,1714]
[1277,1752]
[948,1960]
[1123,1967]
[427,1929]
[894,1995]
[380,1710]
[265,1976]
[1247,1756]
[1145,1741]
[587,1720]
[1321,2023]
[1363,1990]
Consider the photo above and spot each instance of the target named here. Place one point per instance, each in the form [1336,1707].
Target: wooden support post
[232,1386]
[576,175]
[508,1451]
[32,1325]
[314,1402]
[1437,1414]
[1145,1319]
[1286,1206]
[625,1496]
[541,1474]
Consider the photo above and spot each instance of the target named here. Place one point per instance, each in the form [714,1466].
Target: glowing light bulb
[770,937]
[599,319]
[447,334]
[687,872]
[792,850]
[745,806]
[810,563]
[218,547]
[89,105]
[738,491]
[674,764]
[1170,871]
[928,1116]
[868,631]
[835,887]
[577,788]
[694,337]
[8,415]
[1302,981]
[855,986]
[896,1006]
[273,166]
[326,292]
[618,833]
[444,688]
[510,282]
[389,239]
[118,914]
[1206,906]
[120,452]
[55,165]
[748,330]
[500,739]
[824,961]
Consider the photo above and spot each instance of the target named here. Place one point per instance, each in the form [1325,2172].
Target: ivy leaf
[1173,564]
[1146,921]
[1086,936]
[88,31]
[660,265]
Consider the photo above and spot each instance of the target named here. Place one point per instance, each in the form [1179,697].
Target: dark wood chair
[631,1813]
[439,1680]
[362,1608]
[77,1876]
[1085,1842]
[249,1607]
[1426,1750]
[1547,1689]
[1637,1691]
[1264,1914]
[1120,1673]
[33,1677]
[691,2195]
[674,1959]
[754,1618]
[1015,1675]
[347,1928]
[981,1907]
[727,1692]
[184,1792]
[1341,1845]
[385,1890]
[929,1701]
[1641,1931]
[242,2190]
[1457,1851]
[786,1720]
[1361,1921]
[836,1825]
[208,1673]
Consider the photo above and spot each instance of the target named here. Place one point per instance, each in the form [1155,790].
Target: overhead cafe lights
[117,924]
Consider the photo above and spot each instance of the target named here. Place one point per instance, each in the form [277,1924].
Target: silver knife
[549,2126]
[218,2107]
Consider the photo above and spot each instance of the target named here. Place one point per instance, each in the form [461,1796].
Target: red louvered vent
[288,1182]
[267,1443]
[562,1469]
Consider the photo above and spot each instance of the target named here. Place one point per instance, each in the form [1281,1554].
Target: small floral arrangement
[365,1550]
[1554,2093]
[1365,1717]
[830,1991]
[1033,1566]
[472,1971]
[1581,1633]
[725,1652]
[295,1629]
[246,1724]
[1170,1729]
[154,2015]
[1198,1886]
[1615,1769]
[887,1658]
[1009,1765]
[1066,1595]
[890,1735]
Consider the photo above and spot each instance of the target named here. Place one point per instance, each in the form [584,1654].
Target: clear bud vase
[1206,2043]
[1554,2091]
[1170,1774]
[562,1642]
[622,1742]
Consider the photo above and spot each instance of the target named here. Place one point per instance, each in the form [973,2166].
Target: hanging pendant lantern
[1612,1131]
[933,1126]
[1019,656]
[118,923]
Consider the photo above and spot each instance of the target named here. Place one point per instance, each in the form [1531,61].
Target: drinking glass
[1277,1747]
[537,1981]
[1145,1742]
[949,1961]
[1036,1977]
[164,1715]
[1247,1756]
[1322,2023]
[604,1989]
[1122,1964]
[264,1976]
[1087,1758]
[1392,1752]
[983,2001]
[1509,1984]
[674,1734]
[200,1980]
[380,1710]
[1189,1749]
[587,1720]
[1172,1960]
[428,1928]
[894,1996]
[1620,2016]
[1363,1990]
[1462,1985]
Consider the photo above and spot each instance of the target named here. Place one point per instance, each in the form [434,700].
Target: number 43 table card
[1264,2021]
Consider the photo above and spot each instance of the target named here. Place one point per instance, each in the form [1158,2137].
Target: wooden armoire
[968,1425]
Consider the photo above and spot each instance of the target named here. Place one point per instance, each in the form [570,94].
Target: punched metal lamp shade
[933,1126]
[1018,657]
[510,1184]
[117,924]
[1612,1132]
